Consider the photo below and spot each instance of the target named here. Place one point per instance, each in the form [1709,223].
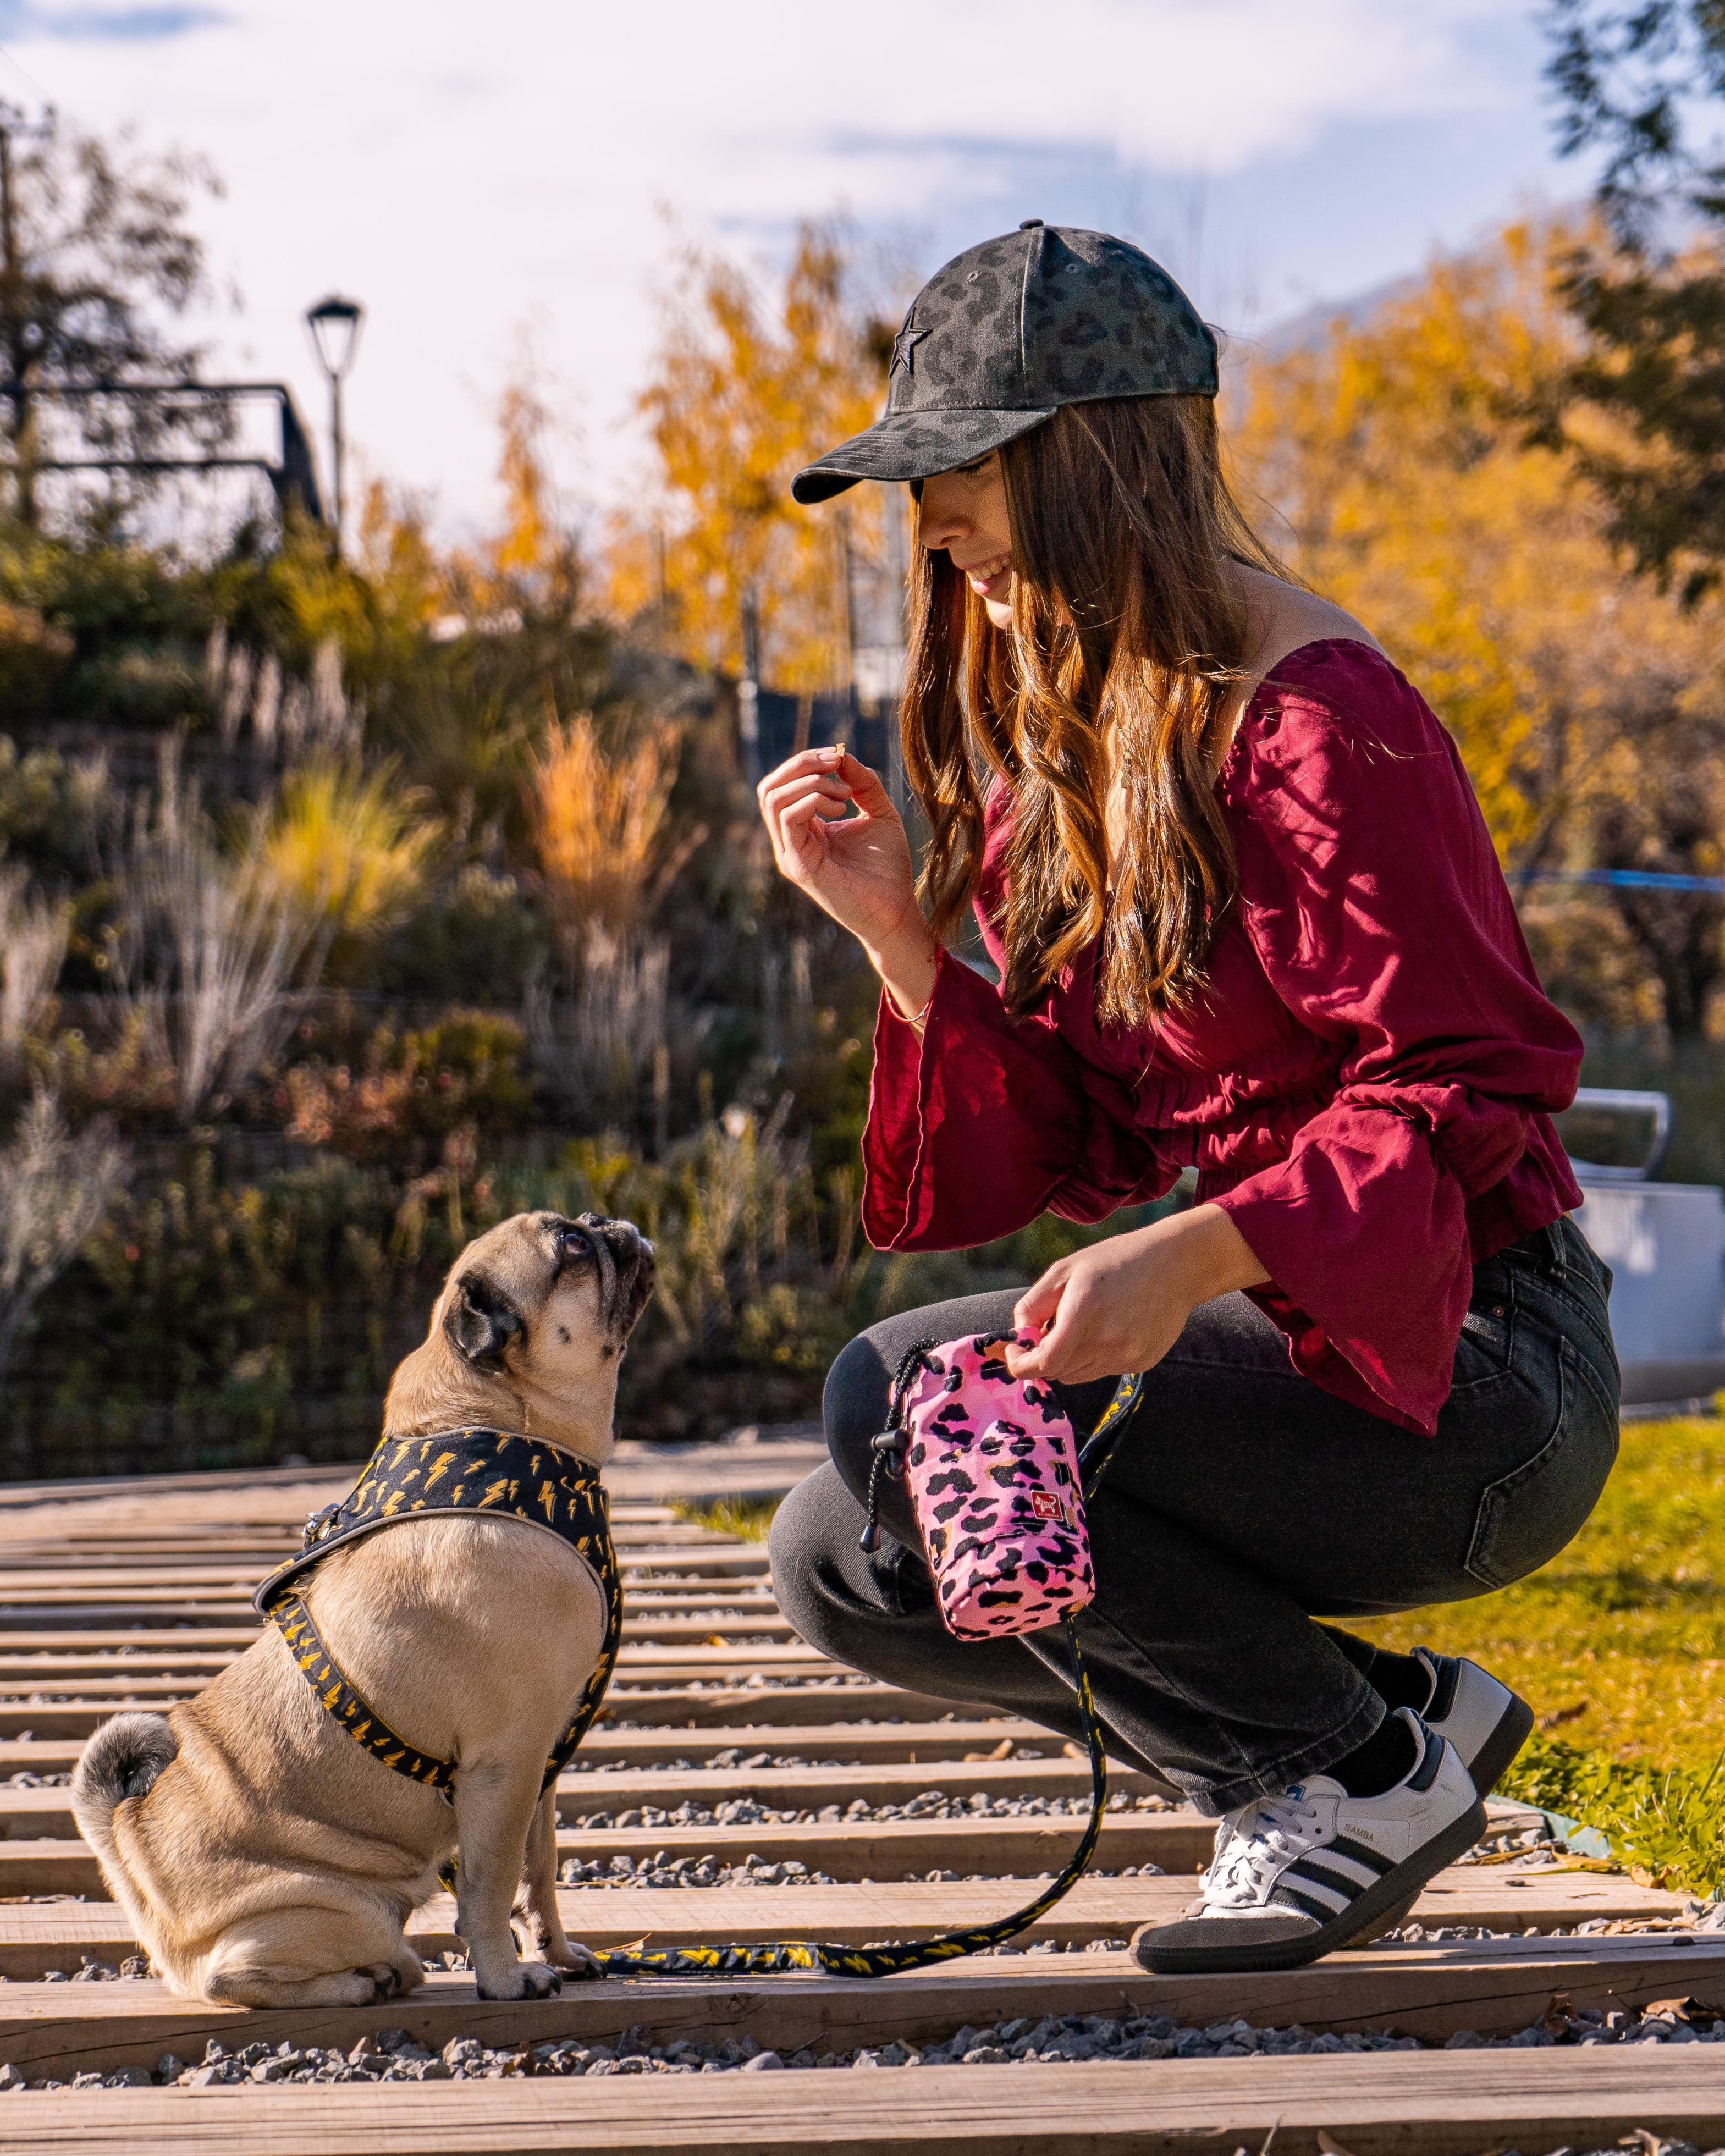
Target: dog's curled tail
[121,1760]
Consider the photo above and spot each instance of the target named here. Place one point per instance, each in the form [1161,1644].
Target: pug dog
[267,1860]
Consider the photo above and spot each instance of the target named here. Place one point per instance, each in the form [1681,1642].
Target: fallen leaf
[1559,2013]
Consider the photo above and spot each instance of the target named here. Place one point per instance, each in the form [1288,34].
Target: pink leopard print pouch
[992,1466]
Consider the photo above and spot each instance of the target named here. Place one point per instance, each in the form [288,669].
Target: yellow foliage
[349,850]
[529,564]
[738,404]
[528,541]
[599,827]
[1398,453]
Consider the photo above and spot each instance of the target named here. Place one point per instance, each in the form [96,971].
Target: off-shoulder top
[1365,1084]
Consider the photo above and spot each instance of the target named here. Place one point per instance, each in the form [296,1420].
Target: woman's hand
[1120,1306]
[857,868]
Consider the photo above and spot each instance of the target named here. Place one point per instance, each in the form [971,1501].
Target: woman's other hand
[855,867]
[1119,1305]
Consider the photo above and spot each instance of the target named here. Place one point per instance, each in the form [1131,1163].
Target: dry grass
[600,825]
[34,935]
[207,950]
[56,1190]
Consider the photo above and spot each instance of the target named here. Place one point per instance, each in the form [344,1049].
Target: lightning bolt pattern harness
[500,1475]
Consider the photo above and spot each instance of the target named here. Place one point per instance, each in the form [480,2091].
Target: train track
[742,1787]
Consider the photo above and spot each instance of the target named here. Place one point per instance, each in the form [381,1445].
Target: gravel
[929,1804]
[1054,2039]
[662,1869]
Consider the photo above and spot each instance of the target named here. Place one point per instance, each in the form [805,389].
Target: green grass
[1620,1645]
[750,1518]
[1620,1642]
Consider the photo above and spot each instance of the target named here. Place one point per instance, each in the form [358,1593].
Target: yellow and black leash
[781,1957]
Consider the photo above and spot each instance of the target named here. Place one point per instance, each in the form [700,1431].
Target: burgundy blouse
[1365,1086]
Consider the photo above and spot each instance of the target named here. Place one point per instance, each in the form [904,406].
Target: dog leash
[785,1956]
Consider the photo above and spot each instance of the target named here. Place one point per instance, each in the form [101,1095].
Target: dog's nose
[601,1224]
[628,1245]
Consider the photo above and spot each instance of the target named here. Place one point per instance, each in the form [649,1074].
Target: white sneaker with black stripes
[1485,1721]
[1298,1875]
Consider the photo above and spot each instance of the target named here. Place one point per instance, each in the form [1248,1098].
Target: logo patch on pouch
[1046,1505]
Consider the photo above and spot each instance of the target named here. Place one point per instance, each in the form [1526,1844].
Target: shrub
[413,1090]
[477,941]
[52,810]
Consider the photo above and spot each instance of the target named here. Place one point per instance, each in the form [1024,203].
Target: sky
[506,176]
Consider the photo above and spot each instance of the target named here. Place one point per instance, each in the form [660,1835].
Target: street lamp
[334,324]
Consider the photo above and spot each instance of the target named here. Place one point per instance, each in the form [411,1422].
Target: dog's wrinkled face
[547,1300]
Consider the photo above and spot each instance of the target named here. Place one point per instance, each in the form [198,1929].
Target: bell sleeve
[1370,889]
[988,1121]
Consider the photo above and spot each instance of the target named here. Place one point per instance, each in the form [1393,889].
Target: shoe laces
[1253,1844]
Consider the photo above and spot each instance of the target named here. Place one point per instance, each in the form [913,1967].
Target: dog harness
[490,1474]
[475,1471]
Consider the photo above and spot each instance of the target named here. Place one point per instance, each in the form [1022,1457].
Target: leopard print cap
[1007,332]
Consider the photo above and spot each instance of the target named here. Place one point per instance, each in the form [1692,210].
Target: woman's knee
[807,1546]
[857,1398]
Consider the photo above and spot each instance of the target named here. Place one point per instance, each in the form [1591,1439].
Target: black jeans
[1243,1504]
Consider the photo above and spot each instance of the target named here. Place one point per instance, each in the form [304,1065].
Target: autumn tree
[1640,88]
[743,394]
[1589,707]
[95,248]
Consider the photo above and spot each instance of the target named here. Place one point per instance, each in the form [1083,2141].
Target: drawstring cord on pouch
[890,1446]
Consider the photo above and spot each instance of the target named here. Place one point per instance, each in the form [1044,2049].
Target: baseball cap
[1006,333]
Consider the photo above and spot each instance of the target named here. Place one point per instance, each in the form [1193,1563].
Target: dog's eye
[576,1244]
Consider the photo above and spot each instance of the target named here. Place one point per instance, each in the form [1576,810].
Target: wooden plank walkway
[1431,2104]
[140,1594]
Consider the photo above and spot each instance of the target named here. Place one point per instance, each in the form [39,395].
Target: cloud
[465,169]
[18,20]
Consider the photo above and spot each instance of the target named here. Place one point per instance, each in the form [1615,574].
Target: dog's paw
[581,1963]
[528,1979]
[385,1980]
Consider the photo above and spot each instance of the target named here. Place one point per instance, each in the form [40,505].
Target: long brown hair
[1125,628]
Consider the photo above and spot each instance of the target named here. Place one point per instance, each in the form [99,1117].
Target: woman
[1247,918]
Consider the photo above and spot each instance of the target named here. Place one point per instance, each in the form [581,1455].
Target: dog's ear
[482,1321]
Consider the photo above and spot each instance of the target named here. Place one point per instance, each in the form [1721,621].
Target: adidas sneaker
[1297,1875]
[1485,1721]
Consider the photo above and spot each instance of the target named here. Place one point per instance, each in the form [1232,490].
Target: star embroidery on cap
[904,346]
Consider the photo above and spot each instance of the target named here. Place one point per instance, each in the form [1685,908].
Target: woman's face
[964,511]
